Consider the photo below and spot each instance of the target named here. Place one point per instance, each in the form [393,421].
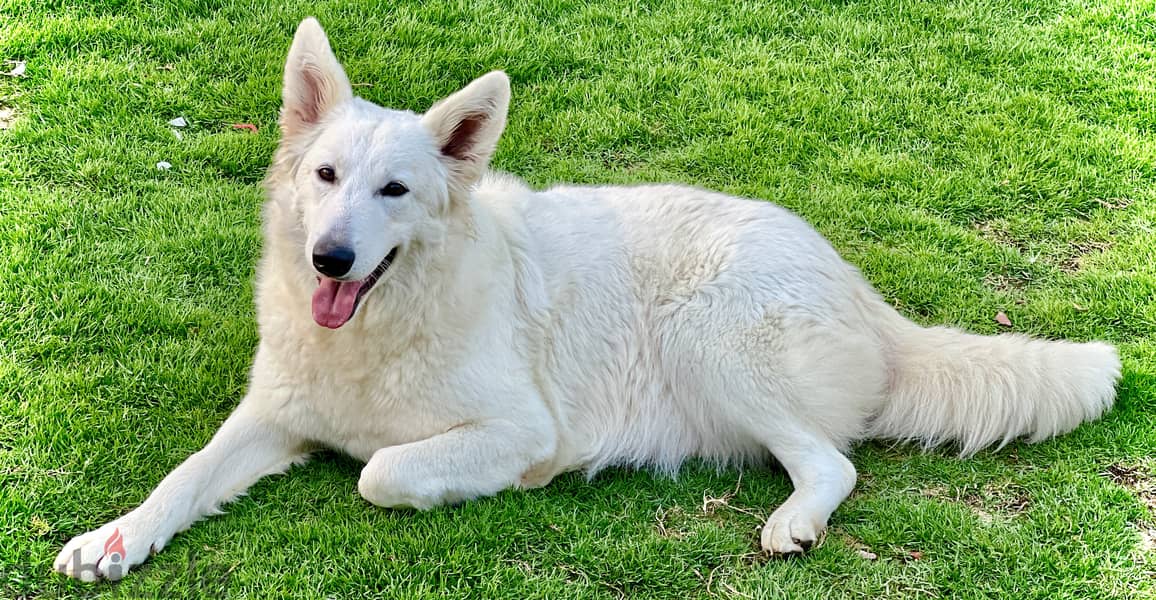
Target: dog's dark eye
[326,174]
[393,188]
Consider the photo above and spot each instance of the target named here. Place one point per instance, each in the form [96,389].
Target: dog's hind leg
[799,387]
[829,380]
[822,476]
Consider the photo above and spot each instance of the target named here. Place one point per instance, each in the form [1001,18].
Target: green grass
[970,157]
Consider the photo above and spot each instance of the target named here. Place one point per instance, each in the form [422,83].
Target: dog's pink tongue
[334,301]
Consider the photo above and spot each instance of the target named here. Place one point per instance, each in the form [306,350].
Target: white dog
[464,334]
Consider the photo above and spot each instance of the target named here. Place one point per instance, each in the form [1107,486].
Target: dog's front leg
[468,461]
[244,449]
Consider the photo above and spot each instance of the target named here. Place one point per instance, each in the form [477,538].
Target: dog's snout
[332,260]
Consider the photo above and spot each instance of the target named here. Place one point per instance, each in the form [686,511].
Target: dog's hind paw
[790,531]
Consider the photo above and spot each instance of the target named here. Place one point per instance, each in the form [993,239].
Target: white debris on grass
[18,67]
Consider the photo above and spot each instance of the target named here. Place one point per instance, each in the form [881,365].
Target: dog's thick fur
[519,334]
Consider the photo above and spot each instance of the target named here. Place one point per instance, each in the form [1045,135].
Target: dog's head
[370,184]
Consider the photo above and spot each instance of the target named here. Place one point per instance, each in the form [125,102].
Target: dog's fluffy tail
[947,385]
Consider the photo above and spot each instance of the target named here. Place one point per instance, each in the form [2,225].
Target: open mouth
[335,302]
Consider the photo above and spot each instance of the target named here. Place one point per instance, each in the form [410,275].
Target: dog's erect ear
[467,125]
[314,80]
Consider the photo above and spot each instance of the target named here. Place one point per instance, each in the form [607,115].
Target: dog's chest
[359,402]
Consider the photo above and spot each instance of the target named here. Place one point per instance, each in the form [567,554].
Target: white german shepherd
[464,334]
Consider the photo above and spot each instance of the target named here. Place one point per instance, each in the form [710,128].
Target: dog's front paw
[109,552]
[390,482]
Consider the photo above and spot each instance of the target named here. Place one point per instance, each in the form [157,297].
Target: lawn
[970,157]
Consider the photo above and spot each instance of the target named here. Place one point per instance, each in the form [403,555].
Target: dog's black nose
[332,261]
